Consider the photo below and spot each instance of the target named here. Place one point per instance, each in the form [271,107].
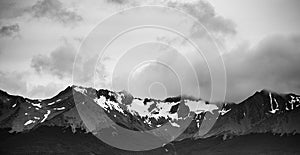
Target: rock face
[263,112]
[94,111]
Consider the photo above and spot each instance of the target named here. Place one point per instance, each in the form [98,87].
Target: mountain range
[74,121]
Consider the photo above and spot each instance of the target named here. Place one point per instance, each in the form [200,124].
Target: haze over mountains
[79,113]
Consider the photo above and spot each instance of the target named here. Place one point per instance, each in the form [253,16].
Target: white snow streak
[46,116]
[29,122]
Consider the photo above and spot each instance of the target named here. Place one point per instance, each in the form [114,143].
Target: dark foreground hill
[58,140]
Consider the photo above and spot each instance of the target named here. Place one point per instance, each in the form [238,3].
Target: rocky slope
[176,118]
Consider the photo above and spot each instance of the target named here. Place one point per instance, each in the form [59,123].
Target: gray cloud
[88,71]
[16,83]
[176,73]
[10,30]
[45,91]
[273,64]
[202,10]
[54,10]
[58,63]
[84,74]
[118,1]
[13,82]
[5,5]
[206,15]
[11,8]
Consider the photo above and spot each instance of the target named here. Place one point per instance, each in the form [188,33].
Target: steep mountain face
[94,111]
[22,114]
[263,112]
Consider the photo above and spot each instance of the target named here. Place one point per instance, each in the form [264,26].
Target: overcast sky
[259,40]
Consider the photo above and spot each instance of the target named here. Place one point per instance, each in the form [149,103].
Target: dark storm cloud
[201,10]
[13,82]
[58,63]
[54,10]
[117,1]
[206,15]
[11,8]
[10,30]
[273,64]
[4,6]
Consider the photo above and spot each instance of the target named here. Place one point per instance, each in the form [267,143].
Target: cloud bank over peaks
[272,64]
[59,63]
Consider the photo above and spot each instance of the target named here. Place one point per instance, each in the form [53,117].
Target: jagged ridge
[264,111]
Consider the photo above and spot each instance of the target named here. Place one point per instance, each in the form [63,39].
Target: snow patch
[273,111]
[137,107]
[101,102]
[61,108]
[81,90]
[200,106]
[175,124]
[164,110]
[114,105]
[36,118]
[198,123]
[36,105]
[51,103]
[119,97]
[104,103]
[293,101]
[46,116]
[223,112]
[29,122]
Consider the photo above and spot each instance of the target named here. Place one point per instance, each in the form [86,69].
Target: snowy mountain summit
[95,110]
